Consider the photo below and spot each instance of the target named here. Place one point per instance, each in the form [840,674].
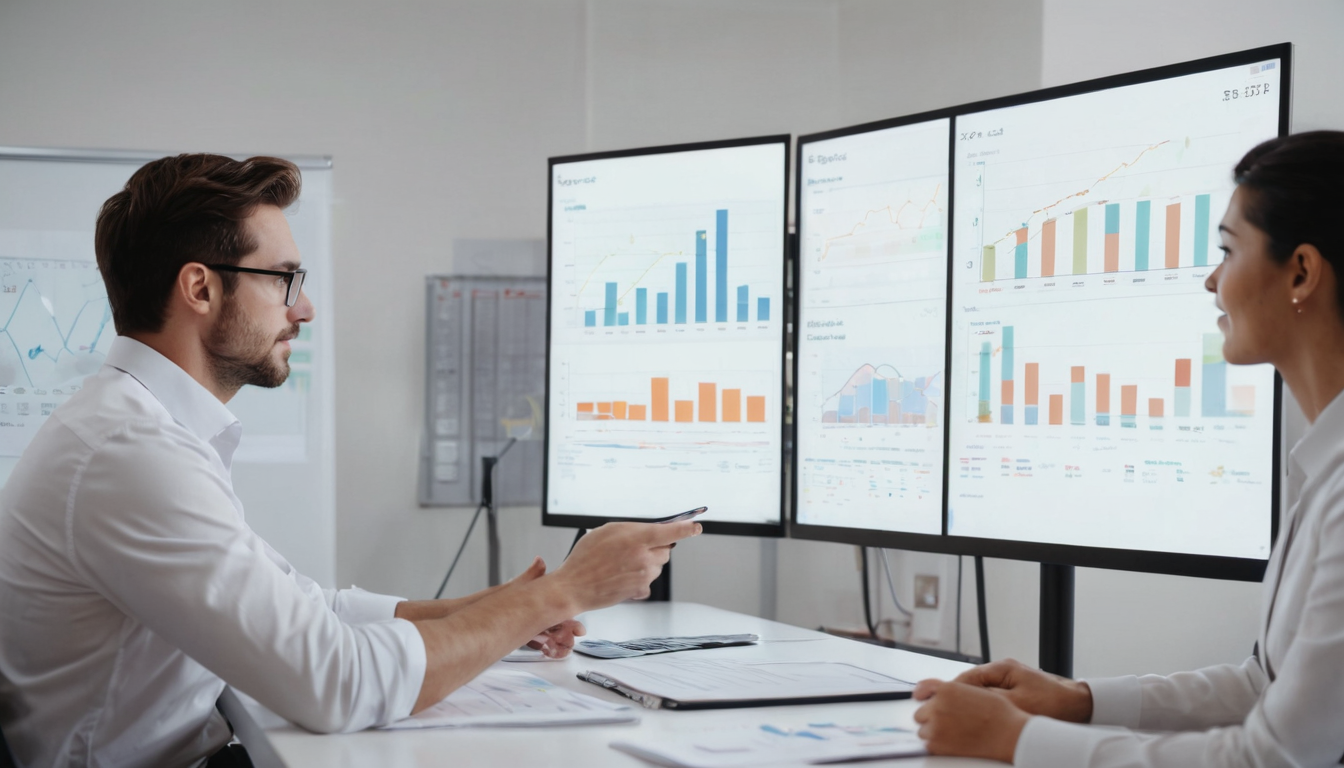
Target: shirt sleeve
[154,529]
[1187,701]
[1295,720]
[353,606]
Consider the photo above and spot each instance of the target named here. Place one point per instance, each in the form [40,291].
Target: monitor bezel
[766,530]
[1149,561]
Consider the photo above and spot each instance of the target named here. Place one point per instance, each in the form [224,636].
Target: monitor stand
[1056,631]
[660,591]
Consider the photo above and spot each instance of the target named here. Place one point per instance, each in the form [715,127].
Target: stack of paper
[772,745]
[504,698]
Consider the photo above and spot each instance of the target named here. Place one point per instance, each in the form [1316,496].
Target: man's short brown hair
[178,210]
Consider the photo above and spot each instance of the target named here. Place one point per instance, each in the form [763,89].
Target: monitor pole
[1056,636]
[491,517]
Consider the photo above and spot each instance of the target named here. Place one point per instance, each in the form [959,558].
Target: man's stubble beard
[240,352]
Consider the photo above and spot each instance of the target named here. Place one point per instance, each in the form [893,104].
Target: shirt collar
[1319,446]
[189,403]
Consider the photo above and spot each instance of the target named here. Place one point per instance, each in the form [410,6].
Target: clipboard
[673,683]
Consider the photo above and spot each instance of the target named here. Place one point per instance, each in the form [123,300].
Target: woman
[1279,287]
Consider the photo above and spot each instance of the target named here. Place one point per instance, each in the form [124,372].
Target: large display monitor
[1091,417]
[870,360]
[665,349]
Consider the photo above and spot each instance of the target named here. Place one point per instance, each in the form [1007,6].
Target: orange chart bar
[1173,235]
[585,407]
[1048,248]
[1056,410]
[756,409]
[732,405]
[658,401]
[1129,400]
[1033,383]
[618,410]
[685,411]
[1103,393]
[1183,372]
[1155,407]
[636,413]
[708,404]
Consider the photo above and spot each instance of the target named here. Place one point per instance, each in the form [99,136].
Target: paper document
[681,682]
[774,745]
[504,698]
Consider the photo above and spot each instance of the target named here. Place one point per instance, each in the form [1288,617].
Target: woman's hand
[1033,691]
[967,721]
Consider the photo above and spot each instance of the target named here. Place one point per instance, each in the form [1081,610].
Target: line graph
[894,217]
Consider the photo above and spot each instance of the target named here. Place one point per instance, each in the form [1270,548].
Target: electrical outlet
[926,591]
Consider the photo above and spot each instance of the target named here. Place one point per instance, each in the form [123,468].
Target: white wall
[440,117]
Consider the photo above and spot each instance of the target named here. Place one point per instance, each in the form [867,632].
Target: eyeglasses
[293,280]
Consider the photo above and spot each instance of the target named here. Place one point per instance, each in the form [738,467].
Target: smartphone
[687,515]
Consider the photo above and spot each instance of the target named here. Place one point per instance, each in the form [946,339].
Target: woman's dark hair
[1296,186]
[178,210]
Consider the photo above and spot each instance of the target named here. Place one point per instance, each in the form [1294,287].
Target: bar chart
[712,404]
[1092,390]
[1128,242]
[882,395]
[696,289]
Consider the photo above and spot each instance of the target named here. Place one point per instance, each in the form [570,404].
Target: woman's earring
[1299,309]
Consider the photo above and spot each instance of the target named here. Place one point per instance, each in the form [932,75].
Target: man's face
[249,343]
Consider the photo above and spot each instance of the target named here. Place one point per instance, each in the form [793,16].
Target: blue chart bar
[1214,389]
[742,303]
[662,308]
[623,318]
[721,266]
[880,398]
[1006,407]
[1020,255]
[590,318]
[763,309]
[701,277]
[846,406]
[1142,213]
[1201,230]
[641,306]
[681,292]
[609,312]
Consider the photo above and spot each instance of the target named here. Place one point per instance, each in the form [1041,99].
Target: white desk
[586,746]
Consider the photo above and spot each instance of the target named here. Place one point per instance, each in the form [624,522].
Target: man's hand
[558,641]
[618,561]
[965,721]
[1034,691]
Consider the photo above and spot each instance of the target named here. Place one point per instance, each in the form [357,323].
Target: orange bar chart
[756,409]
[708,402]
[732,405]
[658,403]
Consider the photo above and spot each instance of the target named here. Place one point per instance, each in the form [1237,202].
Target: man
[132,590]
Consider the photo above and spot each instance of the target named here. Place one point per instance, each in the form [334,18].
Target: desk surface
[587,745]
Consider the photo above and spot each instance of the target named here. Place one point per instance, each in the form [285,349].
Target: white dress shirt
[1284,706]
[132,591]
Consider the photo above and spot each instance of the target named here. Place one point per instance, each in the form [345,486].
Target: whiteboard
[55,329]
